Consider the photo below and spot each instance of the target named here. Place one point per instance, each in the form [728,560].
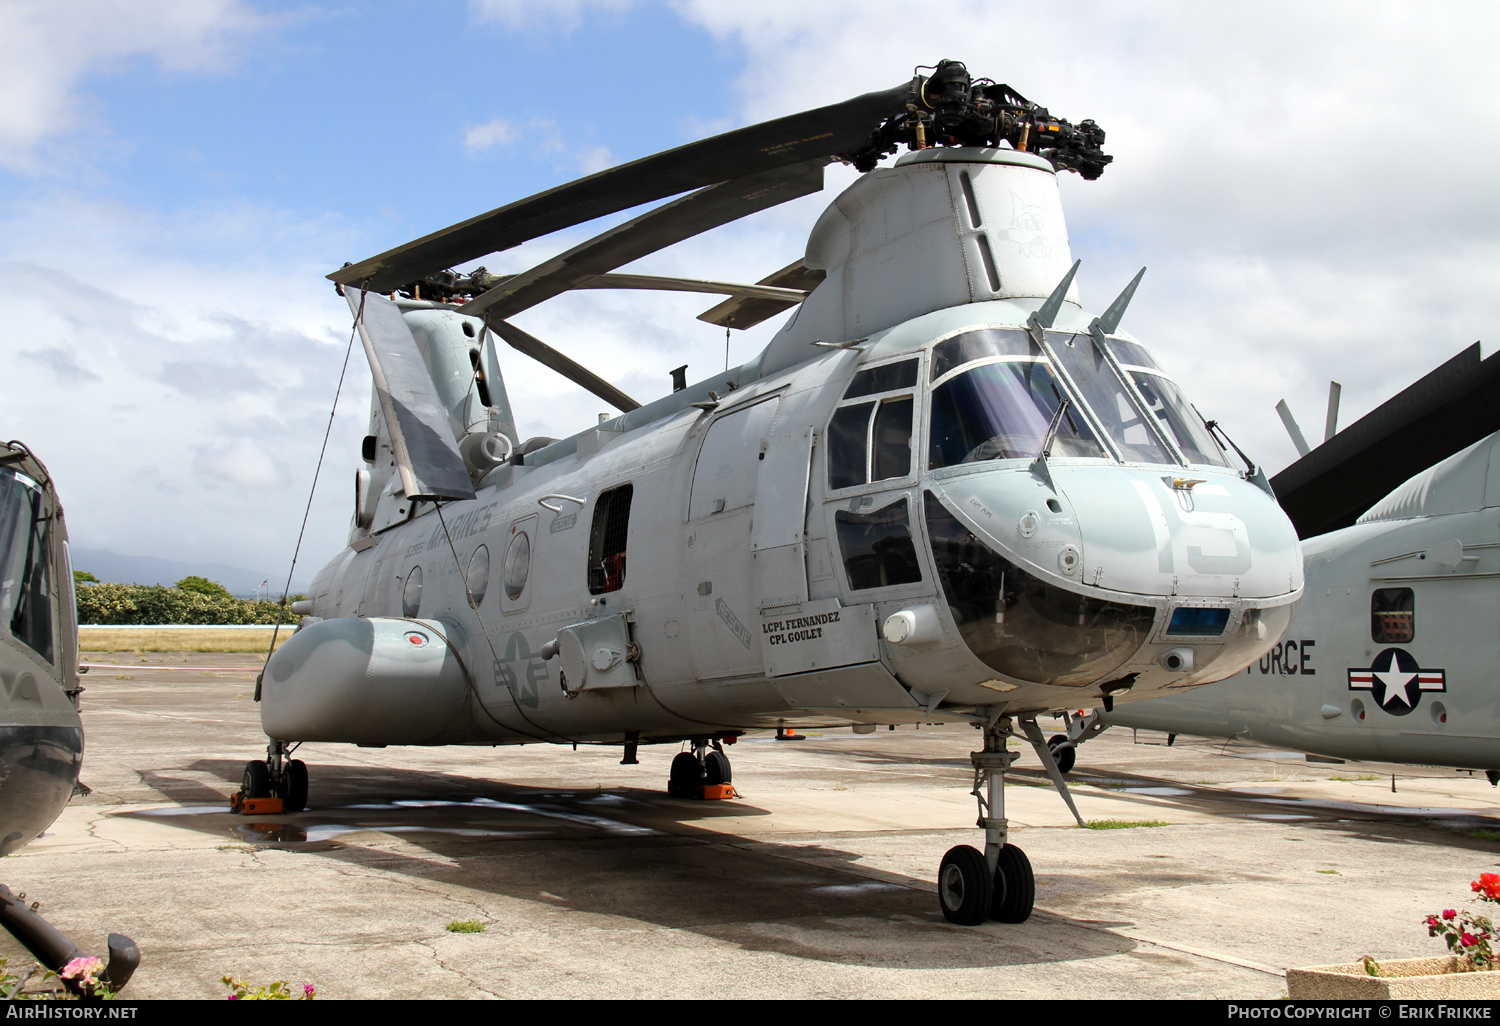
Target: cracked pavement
[817,882]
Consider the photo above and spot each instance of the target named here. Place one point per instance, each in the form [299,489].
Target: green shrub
[154,603]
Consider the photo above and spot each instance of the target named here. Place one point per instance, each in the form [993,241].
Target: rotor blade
[824,132]
[680,219]
[426,456]
[575,372]
[772,293]
[746,311]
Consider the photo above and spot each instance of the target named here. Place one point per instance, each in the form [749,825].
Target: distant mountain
[121,569]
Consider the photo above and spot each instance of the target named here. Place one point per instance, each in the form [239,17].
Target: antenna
[1111,317]
[1047,313]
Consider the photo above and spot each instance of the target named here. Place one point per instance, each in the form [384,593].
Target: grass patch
[130,639]
[466,926]
[1123,824]
[1329,872]
[1484,835]
[1362,776]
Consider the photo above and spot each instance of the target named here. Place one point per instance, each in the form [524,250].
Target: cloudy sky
[1310,184]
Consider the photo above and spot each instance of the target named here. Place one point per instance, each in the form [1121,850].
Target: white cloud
[537,138]
[48,48]
[495,132]
[529,15]
[1309,183]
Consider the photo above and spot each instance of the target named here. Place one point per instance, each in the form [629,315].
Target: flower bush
[1467,933]
[240,990]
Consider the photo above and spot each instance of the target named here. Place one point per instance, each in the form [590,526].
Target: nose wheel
[997,884]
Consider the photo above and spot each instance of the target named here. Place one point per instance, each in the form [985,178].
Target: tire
[256,783]
[294,788]
[685,776]
[965,886]
[1064,757]
[716,768]
[1014,893]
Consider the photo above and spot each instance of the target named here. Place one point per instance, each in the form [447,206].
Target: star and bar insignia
[1395,681]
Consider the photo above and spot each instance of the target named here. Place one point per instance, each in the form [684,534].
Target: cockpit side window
[871,440]
[25,562]
[877,547]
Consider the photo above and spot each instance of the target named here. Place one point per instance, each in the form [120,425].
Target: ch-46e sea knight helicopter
[941,493]
[41,734]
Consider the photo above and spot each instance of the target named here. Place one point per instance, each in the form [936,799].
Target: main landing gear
[997,884]
[278,777]
[703,767]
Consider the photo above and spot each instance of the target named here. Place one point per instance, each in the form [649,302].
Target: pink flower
[308,989]
[82,968]
[1449,913]
[1468,940]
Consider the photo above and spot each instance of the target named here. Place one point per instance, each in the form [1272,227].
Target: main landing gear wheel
[965,887]
[716,768]
[685,776]
[294,786]
[1015,887]
[1064,757]
[256,783]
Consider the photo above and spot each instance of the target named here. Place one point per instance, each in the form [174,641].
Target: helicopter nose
[1152,533]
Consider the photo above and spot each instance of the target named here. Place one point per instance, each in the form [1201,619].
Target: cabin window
[25,562]
[877,547]
[1393,618]
[607,540]
[478,575]
[411,592]
[871,440]
[517,565]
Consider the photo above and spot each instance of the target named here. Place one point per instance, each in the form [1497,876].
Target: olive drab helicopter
[942,493]
[41,733]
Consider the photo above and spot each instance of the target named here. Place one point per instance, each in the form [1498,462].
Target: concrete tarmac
[818,882]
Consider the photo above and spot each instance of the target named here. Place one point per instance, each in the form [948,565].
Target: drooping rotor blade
[746,311]
[426,455]
[680,219]
[787,295]
[575,372]
[1452,407]
[822,133]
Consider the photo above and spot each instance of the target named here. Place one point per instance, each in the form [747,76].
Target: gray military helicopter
[41,734]
[942,493]
[1391,656]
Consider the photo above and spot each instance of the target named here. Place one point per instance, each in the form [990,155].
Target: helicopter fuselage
[872,536]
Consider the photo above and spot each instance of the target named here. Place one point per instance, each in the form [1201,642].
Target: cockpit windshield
[25,562]
[1000,408]
[1105,394]
[995,393]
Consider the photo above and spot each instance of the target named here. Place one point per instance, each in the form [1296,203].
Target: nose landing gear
[998,884]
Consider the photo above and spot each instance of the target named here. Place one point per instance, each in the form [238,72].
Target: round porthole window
[478,575]
[411,595]
[517,565]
